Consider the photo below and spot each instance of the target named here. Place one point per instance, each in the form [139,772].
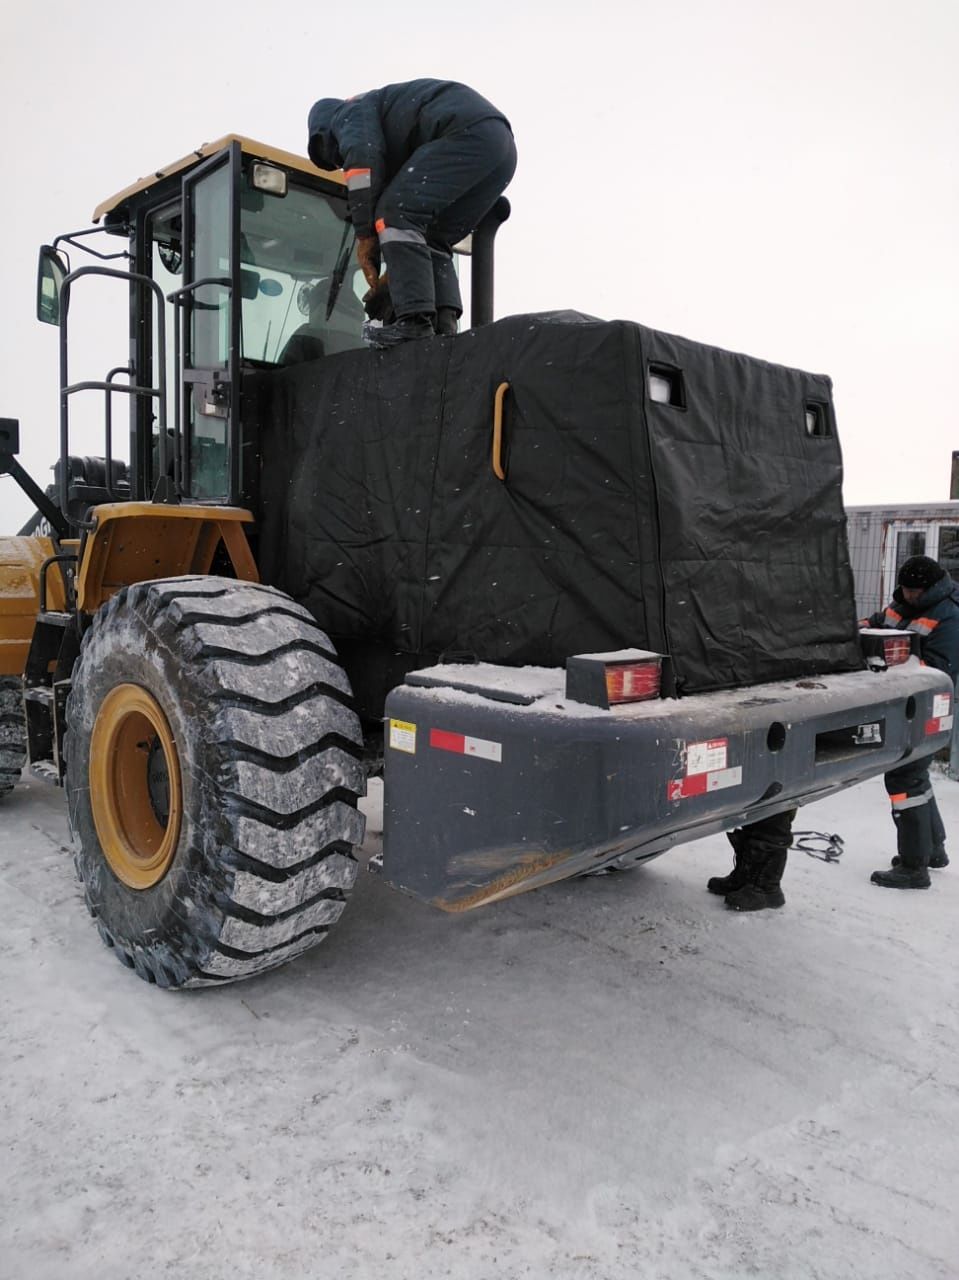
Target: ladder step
[46,770]
[40,694]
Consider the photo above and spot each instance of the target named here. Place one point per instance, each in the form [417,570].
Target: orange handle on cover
[497,456]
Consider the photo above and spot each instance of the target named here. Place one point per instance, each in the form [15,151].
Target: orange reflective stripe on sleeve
[380,225]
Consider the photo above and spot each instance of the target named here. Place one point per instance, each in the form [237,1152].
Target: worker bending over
[424,162]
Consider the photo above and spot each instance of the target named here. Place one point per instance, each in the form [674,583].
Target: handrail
[108,386]
[108,417]
[65,557]
[497,454]
[174,297]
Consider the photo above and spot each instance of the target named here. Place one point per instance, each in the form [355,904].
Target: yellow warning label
[403,736]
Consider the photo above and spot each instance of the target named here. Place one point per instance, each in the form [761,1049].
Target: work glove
[368,257]
[378,302]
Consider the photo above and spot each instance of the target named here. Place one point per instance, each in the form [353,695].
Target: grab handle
[497,455]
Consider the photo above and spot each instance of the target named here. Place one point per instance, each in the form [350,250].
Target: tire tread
[13,733]
[270,713]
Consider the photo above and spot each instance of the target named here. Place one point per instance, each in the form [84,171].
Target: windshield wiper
[339,271]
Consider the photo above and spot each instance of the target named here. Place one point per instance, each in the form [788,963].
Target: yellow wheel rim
[135,791]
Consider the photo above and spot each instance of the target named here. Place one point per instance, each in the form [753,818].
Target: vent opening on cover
[817,420]
[666,385]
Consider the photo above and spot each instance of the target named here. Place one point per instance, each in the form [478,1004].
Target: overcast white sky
[780,178]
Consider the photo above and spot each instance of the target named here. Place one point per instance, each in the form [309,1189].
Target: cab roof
[260,150]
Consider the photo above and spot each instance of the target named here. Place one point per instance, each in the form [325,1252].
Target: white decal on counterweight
[706,757]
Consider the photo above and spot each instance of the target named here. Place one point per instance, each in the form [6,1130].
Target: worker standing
[925,602]
[760,850]
[424,161]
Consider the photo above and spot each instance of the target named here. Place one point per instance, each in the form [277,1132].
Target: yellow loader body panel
[20,561]
[140,541]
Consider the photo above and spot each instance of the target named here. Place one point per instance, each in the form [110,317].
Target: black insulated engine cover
[705,523]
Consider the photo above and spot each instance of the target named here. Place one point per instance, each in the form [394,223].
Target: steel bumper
[486,798]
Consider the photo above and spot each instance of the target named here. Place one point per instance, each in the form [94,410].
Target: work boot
[763,889]
[406,329]
[739,876]
[902,877]
[447,321]
[937,861]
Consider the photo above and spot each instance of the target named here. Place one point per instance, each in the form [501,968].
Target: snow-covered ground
[610,1078]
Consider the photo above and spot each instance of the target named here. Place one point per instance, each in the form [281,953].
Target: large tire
[13,733]
[215,816]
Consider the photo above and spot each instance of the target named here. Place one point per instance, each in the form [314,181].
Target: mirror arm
[11,467]
[71,238]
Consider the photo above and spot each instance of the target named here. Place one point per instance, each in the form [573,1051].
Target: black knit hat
[920,571]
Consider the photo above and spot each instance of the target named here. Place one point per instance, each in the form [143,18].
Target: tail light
[896,649]
[611,679]
[886,648]
[633,681]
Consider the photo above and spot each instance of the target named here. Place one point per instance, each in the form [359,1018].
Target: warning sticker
[940,705]
[705,757]
[403,736]
[698,784]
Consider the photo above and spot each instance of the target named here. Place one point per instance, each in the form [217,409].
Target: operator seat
[87,484]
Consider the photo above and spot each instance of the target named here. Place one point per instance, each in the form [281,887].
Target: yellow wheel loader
[580,588]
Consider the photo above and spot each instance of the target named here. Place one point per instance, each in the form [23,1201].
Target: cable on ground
[819,844]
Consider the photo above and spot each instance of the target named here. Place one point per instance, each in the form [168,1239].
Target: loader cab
[254,256]
[240,262]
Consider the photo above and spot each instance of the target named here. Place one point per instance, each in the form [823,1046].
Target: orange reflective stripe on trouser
[397,235]
[357,179]
[903,801]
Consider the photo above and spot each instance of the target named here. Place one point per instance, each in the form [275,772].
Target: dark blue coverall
[920,834]
[424,162]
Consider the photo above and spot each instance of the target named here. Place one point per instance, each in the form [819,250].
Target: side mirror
[9,436]
[51,272]
[249,283]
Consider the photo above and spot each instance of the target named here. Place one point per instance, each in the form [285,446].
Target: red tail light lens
[896,649]
[882,647]
[633,681]
[610,679]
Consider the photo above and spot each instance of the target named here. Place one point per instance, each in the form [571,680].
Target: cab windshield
[299,282]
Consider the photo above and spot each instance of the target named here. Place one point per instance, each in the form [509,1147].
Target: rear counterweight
[486,798]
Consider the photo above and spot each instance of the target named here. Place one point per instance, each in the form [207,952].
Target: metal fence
[881,539]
